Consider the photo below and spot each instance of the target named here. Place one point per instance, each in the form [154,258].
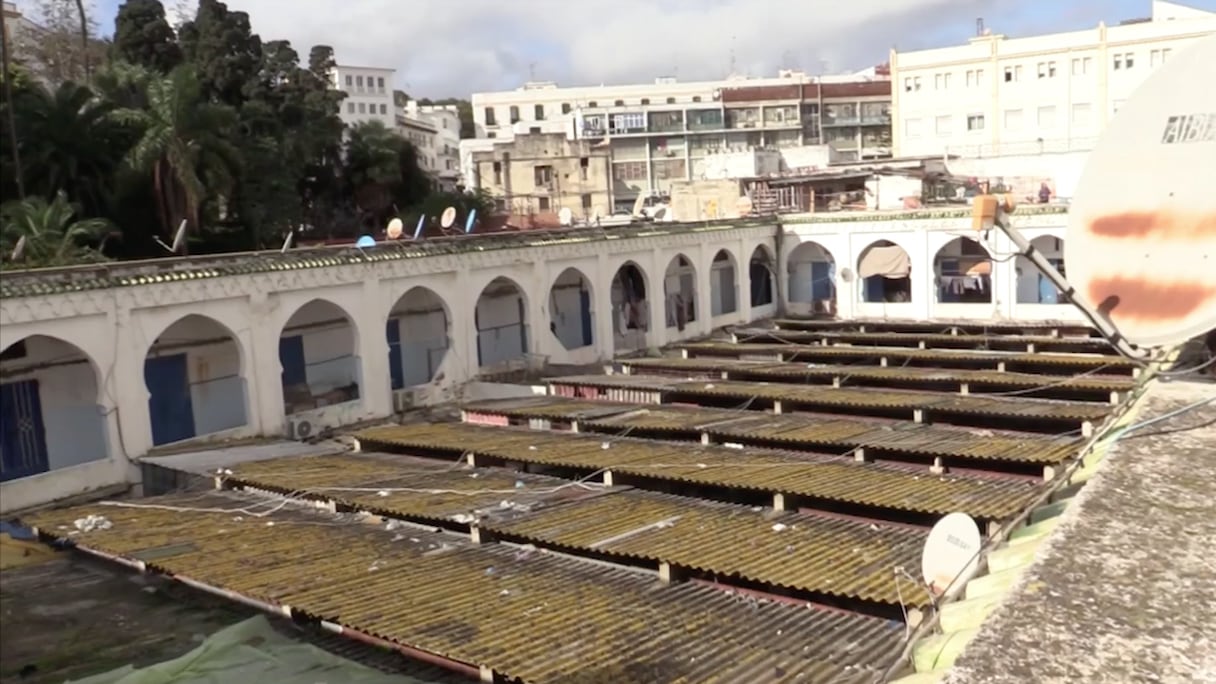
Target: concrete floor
[1125,590]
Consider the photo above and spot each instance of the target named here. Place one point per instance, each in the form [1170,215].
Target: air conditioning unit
[300,430]
[407,400]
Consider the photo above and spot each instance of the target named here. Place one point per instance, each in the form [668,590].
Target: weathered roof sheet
[877,487]
[791,429]
[533,616]
[932,340]
[962,326]
[823,556]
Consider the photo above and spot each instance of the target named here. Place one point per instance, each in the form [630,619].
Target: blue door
[169,403]
[22,434]
[584,303]
[396,370]
[291,357]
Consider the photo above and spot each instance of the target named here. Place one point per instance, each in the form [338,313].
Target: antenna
[468,224]
[421,225]
[1139,247]
[287,242]
[448,217]
[395,229]
[951,551]
[19,249]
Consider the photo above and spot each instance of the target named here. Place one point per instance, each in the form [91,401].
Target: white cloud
[455,47]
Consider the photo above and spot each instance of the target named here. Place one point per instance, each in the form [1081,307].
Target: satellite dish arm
[991,211]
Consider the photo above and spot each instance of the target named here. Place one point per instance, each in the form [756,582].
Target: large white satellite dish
[448,217]
[951,551]
[565,216]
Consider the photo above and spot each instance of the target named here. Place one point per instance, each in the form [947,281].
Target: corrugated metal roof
[902,355]
[879,487]
[1047,343]
[941,404]
[964,326]
[832,557]
[792,429]
[528,615]
[743,369]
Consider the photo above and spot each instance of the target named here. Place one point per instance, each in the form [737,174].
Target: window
[975,122]
[380,83]
[490,116]
[912,84]
[543,175]
[1013,119]
[629,171]
[942,125]
[627,123]
[542,203]
[912,128]
[1047,69]
[359,82]
[349,80]
[565,108]
[362,108]
[538,112]
[1080,113]
[384,109]
[696,98]
[1158,56]
[350,107]
[671,100]
[645,100]
[1081,65]
[941,81]
[974,76]
[619,103]
[1124,60]
[534,129]
[586,202]
[583,164]
[514,114]
[497,173]
[1013,74]
[593,104]
[1047,117]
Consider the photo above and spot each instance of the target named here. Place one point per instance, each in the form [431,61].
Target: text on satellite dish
[1189,128]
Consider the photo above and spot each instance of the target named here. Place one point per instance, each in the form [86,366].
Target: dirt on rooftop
[1125,589]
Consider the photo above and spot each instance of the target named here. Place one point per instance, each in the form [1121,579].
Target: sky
[444,48]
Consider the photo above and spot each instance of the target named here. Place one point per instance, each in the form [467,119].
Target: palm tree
[185,144]
[84,40]
[10,110]
[50,233]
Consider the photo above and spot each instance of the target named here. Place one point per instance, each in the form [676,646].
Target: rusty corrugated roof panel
[793,429]
[813,554]
[968,327]
[898,355]
[744,369]
[879,487]
[533,616]
[1028,343]
[850,398]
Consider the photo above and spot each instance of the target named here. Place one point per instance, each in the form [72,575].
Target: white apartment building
[423,135]
[369,94]
[445,119]
[1002,96]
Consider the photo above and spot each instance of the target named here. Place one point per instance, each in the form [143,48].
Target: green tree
[49,232]
[185,145]
[382,173]
[143,37]
[224,50]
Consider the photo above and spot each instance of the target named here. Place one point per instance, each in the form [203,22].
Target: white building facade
[1001,96]
[369,94]
[445,120]
[97,368]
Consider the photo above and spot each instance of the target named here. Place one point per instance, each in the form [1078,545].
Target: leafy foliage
[143,37]
[48,231]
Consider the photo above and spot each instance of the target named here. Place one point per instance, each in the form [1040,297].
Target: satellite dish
[365,241]
[951,550]
[19,249]
[468,224]
[1141,240]
[846,274]
[565,216]
[179,238]
[421,225]
[287,242]
[448,217]
[395,229]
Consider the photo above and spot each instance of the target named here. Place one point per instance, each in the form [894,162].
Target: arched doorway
[501,317]
[571,319]
[723,288]
[1033,286]
[680,292]
[885,273]
[963,272]
[762,274]
[630,308]
[417,335]
[317,350]
[50,412]
[193,372]
[812,277]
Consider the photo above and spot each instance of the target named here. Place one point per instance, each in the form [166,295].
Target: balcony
[842,121]
[705,121]
[876,120]
[667,122]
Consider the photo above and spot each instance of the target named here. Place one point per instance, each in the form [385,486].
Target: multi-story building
[665,132]
[446,121]
[424,136]
[542,173]
[369,94]
[1023,96]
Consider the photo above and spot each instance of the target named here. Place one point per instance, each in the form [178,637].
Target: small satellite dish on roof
[448,217]
[179,240]
[952,550]
[565,216]
[395,229]
[420,226]
[365,241]
[1141,244]
[287,241]
[468,224]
